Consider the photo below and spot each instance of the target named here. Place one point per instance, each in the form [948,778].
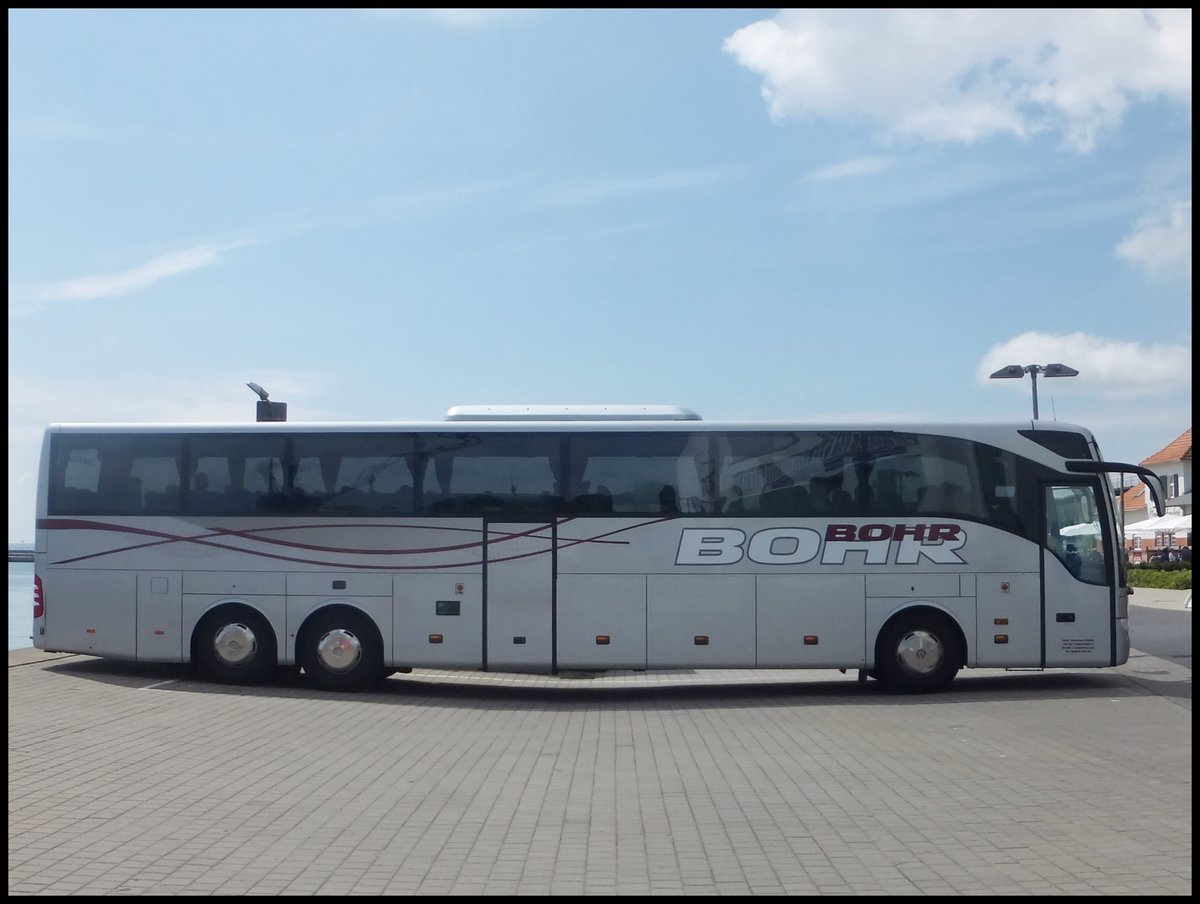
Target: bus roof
[570,413]
[552,424]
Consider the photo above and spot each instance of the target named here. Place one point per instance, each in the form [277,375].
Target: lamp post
[1016,371]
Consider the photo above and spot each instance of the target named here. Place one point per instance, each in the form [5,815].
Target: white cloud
[107,285]
[968,74]
[852,168]
[420,201]
[1109,367]
[1162,242]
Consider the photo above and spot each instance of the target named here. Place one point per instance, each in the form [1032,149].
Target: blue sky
[811,215]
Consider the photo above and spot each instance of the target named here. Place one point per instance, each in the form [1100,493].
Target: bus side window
[202,500]
[75,501]
[400,501]
[668,499]
[998,479]
[165,502]
[75,478]
[942,497]
[237,501]
[784,497]
[1003,513]
[598,502]
[127,496]
[159,476]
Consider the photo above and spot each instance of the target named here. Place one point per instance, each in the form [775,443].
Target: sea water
[20,605]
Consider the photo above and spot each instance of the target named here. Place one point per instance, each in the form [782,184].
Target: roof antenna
[266,409]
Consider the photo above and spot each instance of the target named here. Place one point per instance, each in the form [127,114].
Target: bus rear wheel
[234,645]
[340,651]
[918,652]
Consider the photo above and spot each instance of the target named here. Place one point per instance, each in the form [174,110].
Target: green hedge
[1165,566]
[1160,578]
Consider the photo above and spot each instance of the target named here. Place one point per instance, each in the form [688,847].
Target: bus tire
[234,645]
[340,650]
[918,651]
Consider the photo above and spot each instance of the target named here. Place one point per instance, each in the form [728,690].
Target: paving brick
[131,779]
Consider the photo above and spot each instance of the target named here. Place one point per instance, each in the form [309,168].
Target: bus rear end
[39,545]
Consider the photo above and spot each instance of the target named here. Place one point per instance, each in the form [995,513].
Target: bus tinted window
[641,473]
[366,474]
[95,474]
[236,474]
[794,473]
[490,473]
[1066,443]
[869,473]
[765,473]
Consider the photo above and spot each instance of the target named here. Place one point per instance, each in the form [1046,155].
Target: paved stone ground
[1161,599]
[137,780]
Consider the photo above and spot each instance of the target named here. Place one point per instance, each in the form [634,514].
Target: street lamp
[1016,371]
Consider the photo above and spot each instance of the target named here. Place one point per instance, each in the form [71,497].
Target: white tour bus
[538,539]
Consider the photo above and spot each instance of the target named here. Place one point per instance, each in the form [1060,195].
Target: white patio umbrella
[1163,524]
[1182,523]
[1148,527]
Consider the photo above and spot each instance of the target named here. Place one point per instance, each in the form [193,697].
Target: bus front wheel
[234,645]
[918,652]
[340,651]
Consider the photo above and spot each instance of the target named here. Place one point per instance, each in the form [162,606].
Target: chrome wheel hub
[339,650]
[920,652]
[235,644]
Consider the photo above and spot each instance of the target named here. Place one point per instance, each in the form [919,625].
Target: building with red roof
[1173,465]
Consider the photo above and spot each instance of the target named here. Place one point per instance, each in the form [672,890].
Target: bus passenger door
[1079,602]
[519,596]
